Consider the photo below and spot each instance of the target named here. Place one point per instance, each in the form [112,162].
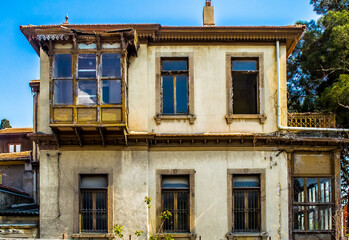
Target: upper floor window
[14,147]
[245,86]
[96,80]
[174,82]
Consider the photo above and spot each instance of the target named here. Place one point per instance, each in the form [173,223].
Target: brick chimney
[208,14]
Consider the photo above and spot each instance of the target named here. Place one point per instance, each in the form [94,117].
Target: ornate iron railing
[316,120]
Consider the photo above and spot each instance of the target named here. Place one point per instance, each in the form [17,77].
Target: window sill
[192,236]
[231,235]
[261,117]
[92,235]
[158,118]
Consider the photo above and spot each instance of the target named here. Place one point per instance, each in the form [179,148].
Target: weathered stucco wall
[210,101]
[15,176]
[133,176]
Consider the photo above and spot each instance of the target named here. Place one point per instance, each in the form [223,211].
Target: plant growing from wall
[165,215]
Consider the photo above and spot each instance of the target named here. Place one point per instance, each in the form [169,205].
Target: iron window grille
[93,203]
[175,199]
[246,203]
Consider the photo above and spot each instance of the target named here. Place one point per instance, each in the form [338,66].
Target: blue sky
[19,63]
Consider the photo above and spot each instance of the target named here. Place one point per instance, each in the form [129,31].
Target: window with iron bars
[246,203]
[175,198]
[93,203]
[312,204]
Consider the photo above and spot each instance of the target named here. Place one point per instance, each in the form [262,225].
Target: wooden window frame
[99,106]
[177,172]
[246,171]
[259,57]
[318,204]
[15,147]
[159,116]
[94,203]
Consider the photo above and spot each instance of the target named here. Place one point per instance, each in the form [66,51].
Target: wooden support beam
[125,135]
[101,132]
[78,134]
[55,134]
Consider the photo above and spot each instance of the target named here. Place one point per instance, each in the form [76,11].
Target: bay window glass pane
[181,94]
[312,189]
[111,91]
[298,190]
[312,218]
[325,215]
[299,217]
[87,65]
[179,65]
[87,92]
[63,65]
[244,65]
[63,92]
[167,95]
[111,65]
[325,190]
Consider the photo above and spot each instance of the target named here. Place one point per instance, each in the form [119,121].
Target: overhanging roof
[157,33]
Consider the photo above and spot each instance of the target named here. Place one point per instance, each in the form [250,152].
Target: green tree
[5,124]
[318,69]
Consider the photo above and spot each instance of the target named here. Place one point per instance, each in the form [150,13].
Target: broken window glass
[87,92]
[63,92]
[245,86]
[63,65]
[111,91]
[111,65]
[87,66]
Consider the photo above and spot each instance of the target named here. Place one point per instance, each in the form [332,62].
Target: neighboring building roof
[158,33]
[15,156]
[29,209]
[10,131]
[14,191]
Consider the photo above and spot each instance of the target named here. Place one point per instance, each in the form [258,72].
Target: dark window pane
[63,92]
[111,91]
[246,181]
[87,91]
[298,192]
[244,93]
[179,65]
[63,65]
[239,210]
[168,205]
[167,95]
[299,217]
[244,65]
[312,189]
[87,65]
[111,65]
[181,94]
[177,182]
[325,190]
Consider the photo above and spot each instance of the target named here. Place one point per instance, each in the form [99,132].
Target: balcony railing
[316,120]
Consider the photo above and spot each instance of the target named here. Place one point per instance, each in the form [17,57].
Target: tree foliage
[318,69]
[5,124]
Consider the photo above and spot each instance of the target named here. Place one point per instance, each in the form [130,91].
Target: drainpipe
[279,109]
[34,190]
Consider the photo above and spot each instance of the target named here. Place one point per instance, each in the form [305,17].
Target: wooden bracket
[101,132]
[78,134]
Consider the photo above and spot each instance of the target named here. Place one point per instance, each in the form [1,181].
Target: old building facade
[193,117]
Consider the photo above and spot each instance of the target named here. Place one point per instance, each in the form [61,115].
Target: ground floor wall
[134,174]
